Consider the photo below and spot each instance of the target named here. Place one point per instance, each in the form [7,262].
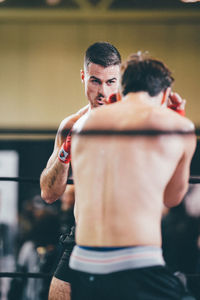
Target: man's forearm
[53,181]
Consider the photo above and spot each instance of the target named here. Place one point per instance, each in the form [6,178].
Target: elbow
[48,194]
[173,202]
[183,192]
[176,198]
[49,198]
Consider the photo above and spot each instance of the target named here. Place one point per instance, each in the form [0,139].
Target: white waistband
[104,262]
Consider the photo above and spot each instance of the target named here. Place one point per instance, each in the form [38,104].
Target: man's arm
[178,185]
[54,177]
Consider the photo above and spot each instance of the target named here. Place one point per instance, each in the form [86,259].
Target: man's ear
[166,94]
[82,75]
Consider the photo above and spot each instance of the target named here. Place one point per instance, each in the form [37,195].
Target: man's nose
[103,90]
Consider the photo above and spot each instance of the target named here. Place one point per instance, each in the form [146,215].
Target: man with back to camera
[101,79]
[121,191]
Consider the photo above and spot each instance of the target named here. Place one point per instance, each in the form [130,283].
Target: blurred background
[42,45]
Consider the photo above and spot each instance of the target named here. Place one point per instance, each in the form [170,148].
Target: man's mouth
[100,101]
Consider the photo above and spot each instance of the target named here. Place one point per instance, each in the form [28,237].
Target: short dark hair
[143,73]
[102,53]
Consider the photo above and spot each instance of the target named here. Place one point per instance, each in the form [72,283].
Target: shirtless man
[121,191]
[101,79]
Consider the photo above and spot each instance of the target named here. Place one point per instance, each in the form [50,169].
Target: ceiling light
[52,2]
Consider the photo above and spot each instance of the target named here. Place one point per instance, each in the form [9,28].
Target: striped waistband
[98,262]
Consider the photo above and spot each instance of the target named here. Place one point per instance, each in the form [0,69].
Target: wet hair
[102,53]
[141,73]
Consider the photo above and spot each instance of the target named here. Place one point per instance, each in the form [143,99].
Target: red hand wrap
[179,111]
[65,151]
[112,98]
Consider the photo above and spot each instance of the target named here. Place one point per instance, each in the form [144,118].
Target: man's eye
[95,81]
[110,82]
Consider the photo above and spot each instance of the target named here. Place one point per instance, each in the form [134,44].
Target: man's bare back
[121,192]
[122,183]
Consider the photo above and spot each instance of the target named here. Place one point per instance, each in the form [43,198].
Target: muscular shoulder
[168,119]
[103,117]
[120,116]
[67,123]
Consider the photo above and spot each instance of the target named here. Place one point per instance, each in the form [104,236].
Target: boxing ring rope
[29,131]
[134,132]
[32,132]
[47,275]
[194,179]
[29,180]
[24,275]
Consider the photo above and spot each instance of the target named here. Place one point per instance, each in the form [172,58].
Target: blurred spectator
[181,233]
[37,254]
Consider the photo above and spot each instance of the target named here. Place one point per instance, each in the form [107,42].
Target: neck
[144,97]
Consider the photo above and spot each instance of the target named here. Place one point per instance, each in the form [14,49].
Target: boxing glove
[112,98]
[179,111]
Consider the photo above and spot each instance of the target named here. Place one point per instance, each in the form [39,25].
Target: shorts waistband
[105,262]
[101,248]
